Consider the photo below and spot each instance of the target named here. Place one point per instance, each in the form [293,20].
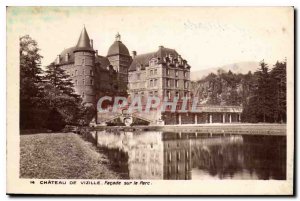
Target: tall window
[82,95]
[155,71]
[186,94]
[151,72]
[151,83]
[176,83]
[185,74]
[186,84]
[176,73]
[92,81]
[177,94]
[168,72]
[169,94]
[155,82]
[83,82]
[168,83]
[91,72]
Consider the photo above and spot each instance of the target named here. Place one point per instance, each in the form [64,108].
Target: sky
[205,36]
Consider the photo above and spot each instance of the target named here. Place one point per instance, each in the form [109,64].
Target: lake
[186,156]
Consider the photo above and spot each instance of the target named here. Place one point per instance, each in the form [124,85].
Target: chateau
[162,73]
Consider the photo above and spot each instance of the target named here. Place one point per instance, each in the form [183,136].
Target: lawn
[61,156]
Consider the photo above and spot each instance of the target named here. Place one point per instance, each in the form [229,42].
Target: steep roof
[143,59]
[83,43]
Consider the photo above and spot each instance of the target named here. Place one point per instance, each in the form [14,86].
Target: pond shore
[238,128]
[61,156]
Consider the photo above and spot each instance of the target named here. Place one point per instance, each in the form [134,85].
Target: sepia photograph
[146,100]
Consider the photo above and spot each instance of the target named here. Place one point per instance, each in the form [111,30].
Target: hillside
[240,67]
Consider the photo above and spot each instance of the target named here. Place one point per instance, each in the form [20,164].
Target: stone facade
[93,75]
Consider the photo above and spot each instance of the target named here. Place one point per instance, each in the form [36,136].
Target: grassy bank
[61,156]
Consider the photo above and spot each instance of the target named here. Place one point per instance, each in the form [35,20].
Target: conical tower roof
[83,43]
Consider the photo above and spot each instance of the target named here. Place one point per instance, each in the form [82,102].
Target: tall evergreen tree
[278,75]
[60,94]
[30,81]
[263,92]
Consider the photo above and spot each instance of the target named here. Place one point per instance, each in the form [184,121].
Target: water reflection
[157,155]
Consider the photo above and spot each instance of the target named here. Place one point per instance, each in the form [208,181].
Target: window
[186,94]
[155,71]
[176,73]
[91,72]
[186,84]
[92,81]
[83,82]
[150,93]
[151,83]
[169,94]
[155,82]
[168,83]
[177,94]
[151,72]
[176,83]
[75,72]
[82,95]
[168,72]
[185,74]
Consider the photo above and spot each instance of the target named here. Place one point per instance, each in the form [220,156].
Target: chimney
[96,52]
[92,43]
[67,57]
[133,54]
[58,59]
[179,59]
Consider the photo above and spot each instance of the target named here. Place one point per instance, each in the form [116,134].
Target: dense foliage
[47,98]
[262,93]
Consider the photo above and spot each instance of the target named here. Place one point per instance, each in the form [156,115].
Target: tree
[60,94]
[263,92]
[30,81]
[278,76]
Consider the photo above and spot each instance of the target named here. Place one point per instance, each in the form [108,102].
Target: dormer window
[153,62]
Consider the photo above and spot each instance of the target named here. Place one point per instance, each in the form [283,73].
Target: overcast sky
[205,37]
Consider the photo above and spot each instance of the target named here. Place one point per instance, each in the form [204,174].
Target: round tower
[119,57]
[84,68]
